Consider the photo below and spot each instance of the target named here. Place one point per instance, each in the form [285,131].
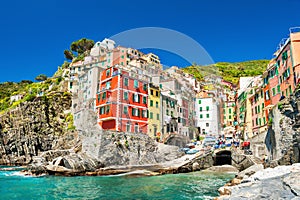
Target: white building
[207,115]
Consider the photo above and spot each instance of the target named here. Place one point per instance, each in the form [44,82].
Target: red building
[121,101]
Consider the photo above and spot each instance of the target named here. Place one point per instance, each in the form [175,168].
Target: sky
[34,34]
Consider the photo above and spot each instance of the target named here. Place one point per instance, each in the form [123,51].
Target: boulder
[249,171]
[196,166]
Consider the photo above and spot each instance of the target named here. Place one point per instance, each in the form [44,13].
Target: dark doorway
[223,158]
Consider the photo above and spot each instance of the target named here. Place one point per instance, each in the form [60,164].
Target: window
[199,101]
[179,120]
[284,56]
[136,83]
[107,109]
[201,116]
[229,116]
[102,110]
[157,116]
[145,87]
[99,97]
[151,115]
[201,109]
[107,72]
[128,127]
[122,56]
[151,92]
[207,115]
[290,89]
[151,103]
[262,105]
[136,98]
[104,96]
[136,128]
[144,113]
[172,114]
[267,95]
[126,81]
[135,112]
[125,110]
[107,85]
[167,112]
[273,91]
[144,100]
[157,93]
[125,95]
[278,88]
[259,121]
[224,117]
[207,124]
[207,108]
[258,109]
[229,110]
[156,104]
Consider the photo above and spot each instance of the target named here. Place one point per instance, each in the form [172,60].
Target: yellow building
[154,111]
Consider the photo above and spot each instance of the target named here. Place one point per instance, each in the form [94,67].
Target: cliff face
[283,137]
[117,148]
[34,127]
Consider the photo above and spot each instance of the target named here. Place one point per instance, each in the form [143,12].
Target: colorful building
[168,110]
[207,118]
[154,115]
[122,100]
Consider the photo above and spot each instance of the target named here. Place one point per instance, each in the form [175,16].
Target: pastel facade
[207,120]
[154,111]
[168,110]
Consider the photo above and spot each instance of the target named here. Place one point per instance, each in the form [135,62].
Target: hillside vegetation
[229,71]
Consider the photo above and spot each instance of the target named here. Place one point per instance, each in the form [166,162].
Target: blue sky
[34,33]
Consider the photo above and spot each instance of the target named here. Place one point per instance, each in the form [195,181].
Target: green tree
[82,45]
[68,54]
[41,77]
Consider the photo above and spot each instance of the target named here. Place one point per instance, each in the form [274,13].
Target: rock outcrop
[283,137]
[281,182]
[35,127]
[117,148]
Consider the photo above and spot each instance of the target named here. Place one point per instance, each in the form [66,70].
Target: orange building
[121,101]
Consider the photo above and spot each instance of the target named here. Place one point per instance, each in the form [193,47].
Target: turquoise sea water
[196,185]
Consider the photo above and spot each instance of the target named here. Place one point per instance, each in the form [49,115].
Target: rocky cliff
[36,126]
[283,136]
[117,148]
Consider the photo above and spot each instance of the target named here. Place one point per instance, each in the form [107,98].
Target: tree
[82,45]
[68,54]
[41,77]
